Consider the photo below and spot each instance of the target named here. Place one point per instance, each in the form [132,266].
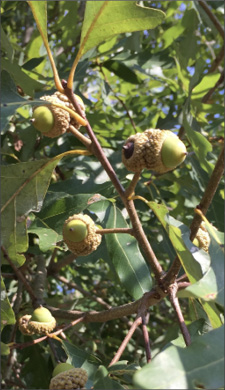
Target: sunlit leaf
[26,185]
[174,230]
[7,313]
[201,365]
[127,259]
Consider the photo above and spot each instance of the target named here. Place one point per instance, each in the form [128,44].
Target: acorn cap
[41,321]
[154,149]
[203,237]
[23,325]
[91,239]
[62,119]
[75,378]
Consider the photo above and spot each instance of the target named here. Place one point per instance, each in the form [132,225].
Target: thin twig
[179,314]
[122,347]
[115,231]
[20,276]
[146,339]
[40,339]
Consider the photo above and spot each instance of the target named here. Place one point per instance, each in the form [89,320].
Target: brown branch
[123,345]
[176,306]
[20,276]
[149,299]
[213,18]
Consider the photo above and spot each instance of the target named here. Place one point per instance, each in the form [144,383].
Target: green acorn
[53,121]
[154,149]
[79,233]
[41,321]
[65,376]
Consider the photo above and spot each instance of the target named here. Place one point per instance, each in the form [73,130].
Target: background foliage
[167,76]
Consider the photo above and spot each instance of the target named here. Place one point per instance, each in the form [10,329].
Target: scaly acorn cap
[23,323]
[41,321]
[53,121]
[154,149]
[203,238]
[79,233]
[75,378]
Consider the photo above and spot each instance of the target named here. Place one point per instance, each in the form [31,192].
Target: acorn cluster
[65,376]
[154,149]
[53,121]
[79,233]
[40,322]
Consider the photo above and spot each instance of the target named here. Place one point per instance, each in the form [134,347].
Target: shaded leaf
[22,79]
[11,100]
[125,254]
[121,71]
[103,381]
